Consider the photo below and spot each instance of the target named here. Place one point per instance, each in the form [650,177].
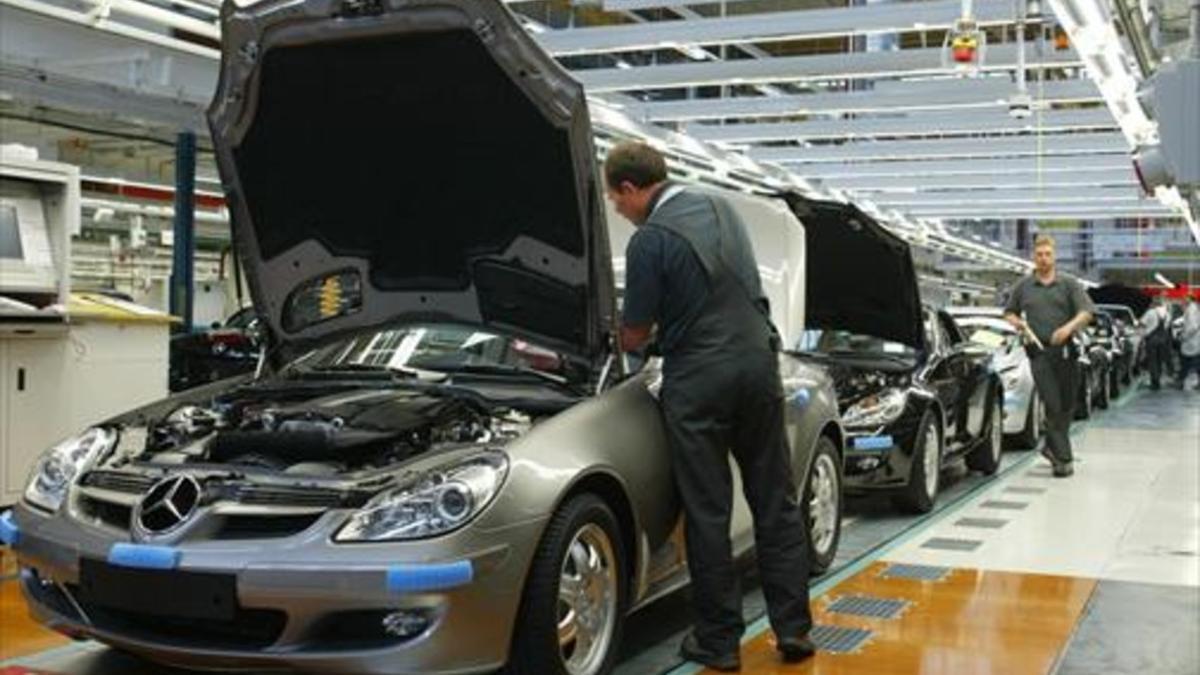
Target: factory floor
[1015,573]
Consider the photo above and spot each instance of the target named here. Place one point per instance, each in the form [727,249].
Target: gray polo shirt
[1048,306]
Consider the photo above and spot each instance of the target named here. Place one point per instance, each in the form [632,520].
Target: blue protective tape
[425,578]
[144,557]
[873,442]
[10,534]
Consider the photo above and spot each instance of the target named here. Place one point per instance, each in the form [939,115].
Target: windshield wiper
[356,369]
[504,370]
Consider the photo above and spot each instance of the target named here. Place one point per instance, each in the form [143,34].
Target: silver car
[442,465]
[987,330]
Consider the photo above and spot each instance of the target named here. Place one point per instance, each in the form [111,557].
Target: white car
[986,328]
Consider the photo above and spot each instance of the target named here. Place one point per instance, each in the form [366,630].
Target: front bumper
[878,459]
[301,602]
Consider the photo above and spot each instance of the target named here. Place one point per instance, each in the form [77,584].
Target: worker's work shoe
[1049,456]
[691,650]
[795,649]
[1064,471]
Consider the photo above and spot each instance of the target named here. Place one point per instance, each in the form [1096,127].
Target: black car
[225,350]
[1105,332]
[1095,387]
[914,396]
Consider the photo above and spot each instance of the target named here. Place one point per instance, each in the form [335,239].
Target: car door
[971,368]
[943,379]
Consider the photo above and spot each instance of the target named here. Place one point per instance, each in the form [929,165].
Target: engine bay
[315,434]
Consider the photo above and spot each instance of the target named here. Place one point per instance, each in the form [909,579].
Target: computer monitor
[27,264]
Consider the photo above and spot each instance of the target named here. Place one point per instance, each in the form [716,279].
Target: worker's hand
[1015,321]
[1061,336]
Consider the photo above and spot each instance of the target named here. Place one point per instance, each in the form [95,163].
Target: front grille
[261,495]
[118,481]
[108,513]
[265,527]
[249,629]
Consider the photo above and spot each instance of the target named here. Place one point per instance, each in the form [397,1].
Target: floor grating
[983,523]
[839,639]
[868,606]
[1025,490]
[948,544]
[1007,506]
[916,572]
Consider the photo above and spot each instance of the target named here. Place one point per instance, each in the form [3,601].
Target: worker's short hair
[634,162]
[1043,240]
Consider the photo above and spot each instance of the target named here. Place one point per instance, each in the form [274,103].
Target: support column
[184,251]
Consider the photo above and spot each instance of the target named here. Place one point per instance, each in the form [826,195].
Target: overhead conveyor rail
[905,111]
[818,68]
[929,95]
[907,150]
[947,124]
[772,26]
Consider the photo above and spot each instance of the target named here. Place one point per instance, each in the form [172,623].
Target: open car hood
[1119,294]
[404,162]
[860,276]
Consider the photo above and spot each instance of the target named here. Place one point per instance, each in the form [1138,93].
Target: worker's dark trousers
[1158,352]
[711,408]
[1056,374]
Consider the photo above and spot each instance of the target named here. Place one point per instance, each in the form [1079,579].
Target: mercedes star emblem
[170,503]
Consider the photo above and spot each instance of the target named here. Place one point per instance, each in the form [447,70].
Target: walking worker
[691,274]
[1189,343]
[1156,327]
[1052,307]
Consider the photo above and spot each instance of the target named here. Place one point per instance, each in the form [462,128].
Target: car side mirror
[215,325]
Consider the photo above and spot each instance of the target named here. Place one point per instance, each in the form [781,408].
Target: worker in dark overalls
[1049,308]
[691,272]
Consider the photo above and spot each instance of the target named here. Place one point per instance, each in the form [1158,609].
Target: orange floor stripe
[19,634]
[973,622]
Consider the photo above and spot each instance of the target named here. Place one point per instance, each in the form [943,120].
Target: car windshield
[845,343]
[435,347]
[990,333]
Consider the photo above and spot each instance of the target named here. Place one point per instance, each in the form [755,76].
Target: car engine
[325,435]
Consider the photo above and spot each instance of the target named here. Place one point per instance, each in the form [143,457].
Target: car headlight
[59,466]
[431,504]
[877,409]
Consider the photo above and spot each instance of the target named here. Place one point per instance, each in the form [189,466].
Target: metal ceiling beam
[974,167]
[820,67]
[870,187]
[951,123]
[1044,211]
[968,198]
[772,26]
[927,95]
[1008,146]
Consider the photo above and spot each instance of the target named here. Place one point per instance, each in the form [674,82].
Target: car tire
[1105,396]
[1084,404]
[920,494]
[1028,438]
[985,458]
[822,504]
[583,540]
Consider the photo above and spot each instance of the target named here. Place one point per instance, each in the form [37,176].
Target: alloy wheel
[933,463]
[823,505]
[587,601]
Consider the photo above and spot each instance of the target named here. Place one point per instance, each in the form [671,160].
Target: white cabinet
[55,381]
[33,371]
